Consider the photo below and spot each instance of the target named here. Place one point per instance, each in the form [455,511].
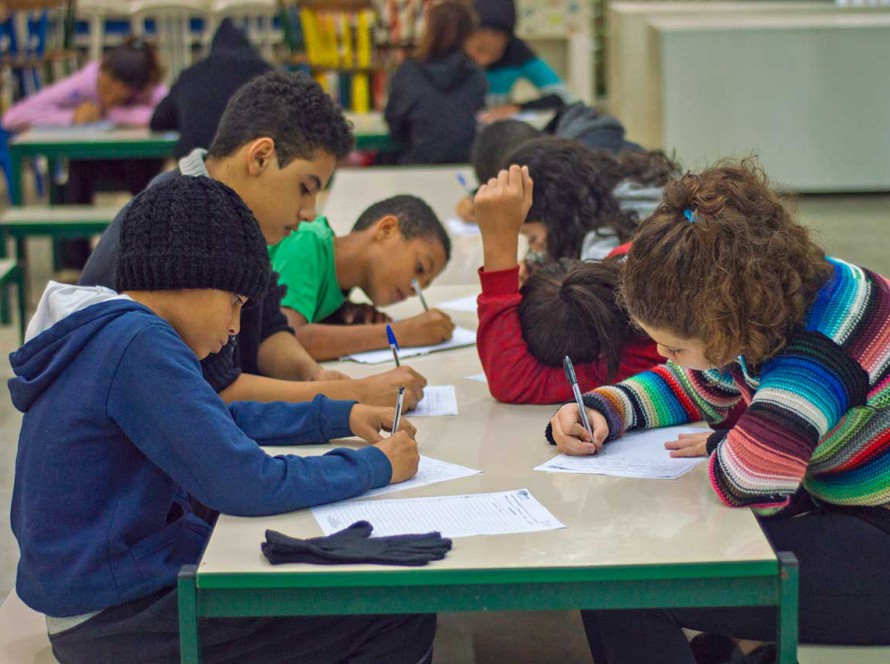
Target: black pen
[569,368]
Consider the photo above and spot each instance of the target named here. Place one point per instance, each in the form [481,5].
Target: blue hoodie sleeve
[162,403]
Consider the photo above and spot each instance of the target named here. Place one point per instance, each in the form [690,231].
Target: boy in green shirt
[393,242]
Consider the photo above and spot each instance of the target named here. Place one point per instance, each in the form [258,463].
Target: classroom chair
[96,13]
[179,45]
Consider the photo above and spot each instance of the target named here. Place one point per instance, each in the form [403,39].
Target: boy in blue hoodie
[120,427]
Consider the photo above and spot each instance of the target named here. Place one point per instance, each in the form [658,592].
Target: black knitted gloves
[355,545]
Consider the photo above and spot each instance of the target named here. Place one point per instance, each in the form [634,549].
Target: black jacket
[432,109]
[198,98]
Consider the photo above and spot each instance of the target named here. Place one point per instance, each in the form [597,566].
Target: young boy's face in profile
[282,198]
[394,261]
[205,318]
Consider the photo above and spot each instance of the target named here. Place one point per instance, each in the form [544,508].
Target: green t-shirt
[304,261]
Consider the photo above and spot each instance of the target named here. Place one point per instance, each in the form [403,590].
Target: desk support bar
[187,594]
[786,630]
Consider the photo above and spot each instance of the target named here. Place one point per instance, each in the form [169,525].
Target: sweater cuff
[381,468]
[500,282]
[715,439]
[616,426]
[334,417]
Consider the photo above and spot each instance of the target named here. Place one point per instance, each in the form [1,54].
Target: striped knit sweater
[818,412]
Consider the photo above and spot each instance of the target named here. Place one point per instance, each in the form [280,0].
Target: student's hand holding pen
[367,422]
[401,450]
[501,207]
[570,435]
[429,328]
[378,390]
[87,112]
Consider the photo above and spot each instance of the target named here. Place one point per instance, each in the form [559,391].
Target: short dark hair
[650,168]
[448,25]
[416,219]
[292,110]
[570,307]
[134,63]
[495,143]
[571,197]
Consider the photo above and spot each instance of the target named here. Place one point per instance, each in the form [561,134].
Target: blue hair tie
[690,216]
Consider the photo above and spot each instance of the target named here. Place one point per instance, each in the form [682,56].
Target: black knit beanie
[192,232]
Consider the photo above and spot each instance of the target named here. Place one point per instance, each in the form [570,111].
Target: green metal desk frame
[759,583]
[151,147]
[159,146]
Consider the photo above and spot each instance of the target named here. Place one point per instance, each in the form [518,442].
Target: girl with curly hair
[747,308]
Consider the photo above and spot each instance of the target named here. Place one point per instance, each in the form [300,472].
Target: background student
[572,205]
[199,96]
[119,425]
[568,307]
[123,88]
[392,243]
[748,309]
[434,98]
[276,148]
[506,59]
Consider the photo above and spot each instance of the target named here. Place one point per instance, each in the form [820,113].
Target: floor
[852,227]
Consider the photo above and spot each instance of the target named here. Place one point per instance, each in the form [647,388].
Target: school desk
[75,143]
[627,543]
[354,190]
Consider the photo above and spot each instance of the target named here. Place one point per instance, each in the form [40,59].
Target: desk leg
[187,592]
[15,195]
[786,630]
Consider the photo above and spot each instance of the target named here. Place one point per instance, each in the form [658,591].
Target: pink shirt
[54,106]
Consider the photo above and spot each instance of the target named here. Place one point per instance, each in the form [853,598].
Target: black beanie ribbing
[192,232]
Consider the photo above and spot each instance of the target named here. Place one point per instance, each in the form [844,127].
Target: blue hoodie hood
[67,318]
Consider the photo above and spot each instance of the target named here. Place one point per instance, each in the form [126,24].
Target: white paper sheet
[462,337]
[637,454]
[467,303]
[479,378]
[461,227]
[437,400]
[430,471]
[454,516]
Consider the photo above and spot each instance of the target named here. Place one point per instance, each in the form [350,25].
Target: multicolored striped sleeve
[665,396]
[804,392]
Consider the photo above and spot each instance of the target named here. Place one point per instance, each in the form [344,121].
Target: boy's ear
[260,153]
[386,227]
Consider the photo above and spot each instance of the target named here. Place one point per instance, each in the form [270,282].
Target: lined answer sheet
[461,337]
[454,516]
[637,454]
[430,471]
[437,400]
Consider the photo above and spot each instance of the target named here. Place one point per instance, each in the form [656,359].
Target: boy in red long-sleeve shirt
[566,308]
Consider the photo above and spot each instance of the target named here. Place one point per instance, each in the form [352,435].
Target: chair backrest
[95,13]
[178,43]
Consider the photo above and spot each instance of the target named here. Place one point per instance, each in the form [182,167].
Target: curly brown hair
[651,168]
[739,276]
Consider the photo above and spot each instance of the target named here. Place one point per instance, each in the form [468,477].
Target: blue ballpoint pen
[391,336]
[463,183]
[569,368]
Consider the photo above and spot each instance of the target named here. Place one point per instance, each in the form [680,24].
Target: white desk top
[63,135]
[610,521]
[354,190]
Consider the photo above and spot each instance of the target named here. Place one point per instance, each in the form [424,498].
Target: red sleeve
[620,250]
[514,375]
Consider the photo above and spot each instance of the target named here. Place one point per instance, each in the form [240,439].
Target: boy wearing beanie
[120,427]
[276,146]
